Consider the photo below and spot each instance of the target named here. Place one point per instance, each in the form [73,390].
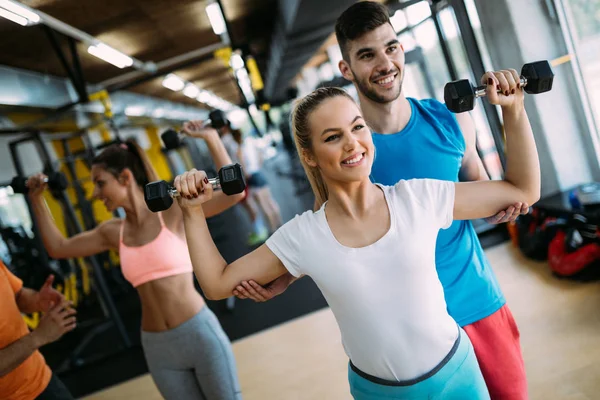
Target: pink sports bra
[166,255]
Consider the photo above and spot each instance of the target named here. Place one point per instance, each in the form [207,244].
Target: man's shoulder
[437,114]
[432,105]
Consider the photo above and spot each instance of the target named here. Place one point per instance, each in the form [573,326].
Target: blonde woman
[371,248]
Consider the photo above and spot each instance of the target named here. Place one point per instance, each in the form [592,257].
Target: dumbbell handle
[480,90]
[45,180]
[213,181]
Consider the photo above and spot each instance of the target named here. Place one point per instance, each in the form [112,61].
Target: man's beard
[371,94]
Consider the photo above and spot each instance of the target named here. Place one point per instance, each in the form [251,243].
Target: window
[13,213]
[580,20]
[485,141]
[13,210]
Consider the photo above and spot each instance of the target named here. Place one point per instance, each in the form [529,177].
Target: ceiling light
[110,55]
[176,114]
[203,97]
[244,82]
[191,91]
[13,17]
[224,105]
[135,111]
[173,82]
[237,116]
[236,62]
[216,19]
[158,113]
[21,11]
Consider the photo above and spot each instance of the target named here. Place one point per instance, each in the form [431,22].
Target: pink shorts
[498,351]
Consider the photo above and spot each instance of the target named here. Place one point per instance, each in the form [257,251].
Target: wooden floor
[303,359]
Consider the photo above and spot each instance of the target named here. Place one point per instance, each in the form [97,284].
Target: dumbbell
[56,181]
[536,78]
[159,195]
[172,138]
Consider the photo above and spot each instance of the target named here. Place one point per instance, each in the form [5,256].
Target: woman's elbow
[55,253]
[214,295]
[214,291]
[534,199]
[533,196]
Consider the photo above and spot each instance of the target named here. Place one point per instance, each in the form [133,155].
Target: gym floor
[304,359]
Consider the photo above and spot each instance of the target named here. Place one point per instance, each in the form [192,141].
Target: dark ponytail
[237,136]
[130,155]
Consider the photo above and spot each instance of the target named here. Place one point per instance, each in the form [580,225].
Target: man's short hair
[358,19]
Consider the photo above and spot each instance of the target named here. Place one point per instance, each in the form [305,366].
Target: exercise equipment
[582,264]
[460,96]
[56,181]
[585,195]
[575,251]
[535,231]
[111,317]
[172,138]
[217,119]
[115,279]
[159,194]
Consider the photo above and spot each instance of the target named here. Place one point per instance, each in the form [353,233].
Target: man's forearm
[15,353]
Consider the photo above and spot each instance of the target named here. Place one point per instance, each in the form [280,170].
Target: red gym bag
[569,264]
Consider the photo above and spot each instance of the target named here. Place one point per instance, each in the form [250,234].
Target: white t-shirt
[386,297]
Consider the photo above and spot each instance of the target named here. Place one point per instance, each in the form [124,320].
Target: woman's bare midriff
[169,302]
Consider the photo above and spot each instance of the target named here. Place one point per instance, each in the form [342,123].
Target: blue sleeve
[446,120]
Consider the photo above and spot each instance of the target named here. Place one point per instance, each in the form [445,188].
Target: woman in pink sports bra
[188,353]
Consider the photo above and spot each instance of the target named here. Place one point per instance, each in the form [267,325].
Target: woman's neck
[352,199]
[136,210]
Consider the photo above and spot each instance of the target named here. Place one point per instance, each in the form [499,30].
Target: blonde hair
[303,108]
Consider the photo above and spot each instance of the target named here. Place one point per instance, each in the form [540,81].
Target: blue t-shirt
[432,146]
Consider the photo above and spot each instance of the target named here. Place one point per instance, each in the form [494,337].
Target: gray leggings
[193,360]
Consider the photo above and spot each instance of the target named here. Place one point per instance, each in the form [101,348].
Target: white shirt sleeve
[286,244]
[437,197]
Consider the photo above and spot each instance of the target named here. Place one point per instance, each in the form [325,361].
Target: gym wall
[517,32]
